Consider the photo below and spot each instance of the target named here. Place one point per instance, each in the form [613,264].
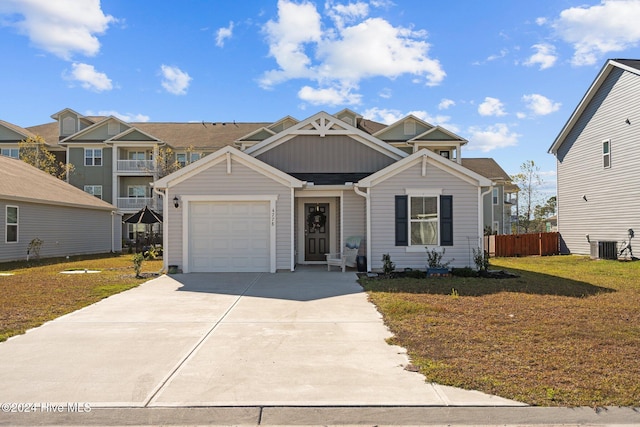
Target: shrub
[434,258]
[388,267]
[481,259]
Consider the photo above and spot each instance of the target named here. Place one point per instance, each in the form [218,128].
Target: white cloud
[389,116]
[594,31]
[541,20]
[545,56]
[89,78]
[491,107]
[540,105]
[223,34]
[385,93]
[340,56]
[343,14]
[491,137]
[127,117]
[328,96]
[61,27]
[446,103]
[175,80]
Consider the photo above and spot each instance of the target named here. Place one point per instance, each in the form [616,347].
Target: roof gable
[258,135]
[227,153]
[397,132]
[101,131]
[13,133]
[428,159]
[282,124]
[439,134]
[133,134]
[322,124]
[629,65]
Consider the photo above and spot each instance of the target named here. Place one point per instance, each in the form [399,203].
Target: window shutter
[402,221]
[446,220]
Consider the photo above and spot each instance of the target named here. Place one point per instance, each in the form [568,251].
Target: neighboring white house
[68,221]
[598,160]
[299,190]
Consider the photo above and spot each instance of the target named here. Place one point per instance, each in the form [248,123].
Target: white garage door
[229,236]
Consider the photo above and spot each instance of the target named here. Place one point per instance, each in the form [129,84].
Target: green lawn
[37,292]
[564,333]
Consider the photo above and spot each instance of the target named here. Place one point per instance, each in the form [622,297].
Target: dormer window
[445,153]
[68,126]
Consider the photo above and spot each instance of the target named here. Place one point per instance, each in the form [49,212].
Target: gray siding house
[36,205]
[246,193]
[598,158]
[295,195]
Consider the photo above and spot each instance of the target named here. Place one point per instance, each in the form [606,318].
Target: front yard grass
[37,292]
[564,333]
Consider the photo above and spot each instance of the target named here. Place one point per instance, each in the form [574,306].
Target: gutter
[165,235]
[368,232]
[481,214]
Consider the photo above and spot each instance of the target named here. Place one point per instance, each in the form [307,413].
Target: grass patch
[566,332]
[37,292]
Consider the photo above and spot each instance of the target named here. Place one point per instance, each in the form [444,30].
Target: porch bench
[346,258]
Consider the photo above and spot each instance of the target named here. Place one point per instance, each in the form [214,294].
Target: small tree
[167,161]
[528,180]
[33,151]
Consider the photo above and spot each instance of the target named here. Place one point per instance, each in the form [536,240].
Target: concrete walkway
[308,338]
[303,348]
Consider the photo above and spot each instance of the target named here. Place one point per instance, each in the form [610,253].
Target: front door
[316,231]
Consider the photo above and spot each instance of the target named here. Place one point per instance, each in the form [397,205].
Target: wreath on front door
[316,220]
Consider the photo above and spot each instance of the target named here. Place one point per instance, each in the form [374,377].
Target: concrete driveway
[306,338]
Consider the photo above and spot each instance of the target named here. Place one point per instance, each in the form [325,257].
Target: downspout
[165,235]
[113,230]
[481,214]
[368,212]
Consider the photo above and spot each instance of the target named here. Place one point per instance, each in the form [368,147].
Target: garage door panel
[229,236]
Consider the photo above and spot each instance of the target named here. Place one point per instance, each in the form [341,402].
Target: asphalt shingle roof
[20,181]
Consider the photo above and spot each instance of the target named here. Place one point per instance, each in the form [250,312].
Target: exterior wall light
[176,202]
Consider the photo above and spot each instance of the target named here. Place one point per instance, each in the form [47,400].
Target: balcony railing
[137,203]
[147,166]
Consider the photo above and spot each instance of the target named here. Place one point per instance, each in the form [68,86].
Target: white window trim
[7,224]
[419,192]
[93,190]
[9,150]
[93,157]
[495,196]
[606,155]
[146,192]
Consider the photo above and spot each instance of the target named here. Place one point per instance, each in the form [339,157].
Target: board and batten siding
[465,217]
[612,204]
[329,154]
[64,230]
[214,181]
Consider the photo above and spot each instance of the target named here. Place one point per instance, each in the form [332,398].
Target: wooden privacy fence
[513,245]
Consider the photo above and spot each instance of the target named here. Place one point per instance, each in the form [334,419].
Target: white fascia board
[586,99]
[433,160]
[221,156]
[456,138]
[401,121]
[347,130]
[118,138]
[92,127]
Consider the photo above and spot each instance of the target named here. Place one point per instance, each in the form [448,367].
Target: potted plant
[435,266]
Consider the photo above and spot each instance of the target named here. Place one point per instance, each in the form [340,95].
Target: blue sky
[506,75]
